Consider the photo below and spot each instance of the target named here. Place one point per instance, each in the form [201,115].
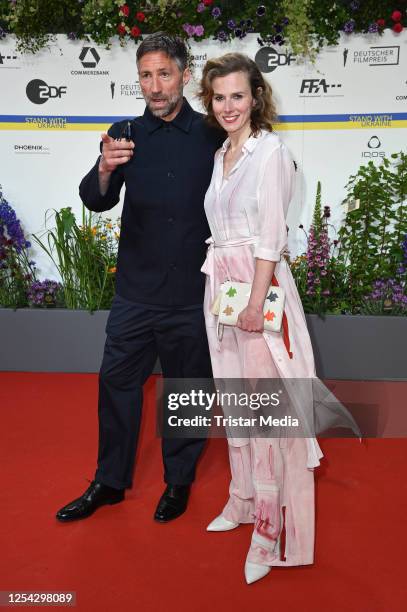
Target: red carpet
[120,560]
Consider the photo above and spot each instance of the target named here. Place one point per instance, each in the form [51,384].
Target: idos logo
[38,92]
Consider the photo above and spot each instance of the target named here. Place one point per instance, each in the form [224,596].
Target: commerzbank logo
[90,59]
[373,56]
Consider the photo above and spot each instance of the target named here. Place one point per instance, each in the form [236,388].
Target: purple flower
[189,29]
[231,24]
[349,26]
[216,12]
[222,36]
[239,33]
[261,10]
[201,7]
[373,28]
[354,5]
[72,36]
[43,293]
[318,250]
[390,293]
[199,30]
[285,21]
[10,227]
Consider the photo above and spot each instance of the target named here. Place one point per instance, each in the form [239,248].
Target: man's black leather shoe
[95,496]
[173,503]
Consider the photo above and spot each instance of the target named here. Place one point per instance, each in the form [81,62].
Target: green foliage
[15,279]
[299,27]
[100,20]
[85,256]
[364,270]
[337,301]
[304,25]
[326,22]
[319,276]
[317,218]
[34,22]
[371,237]
[4,14]
[17,271]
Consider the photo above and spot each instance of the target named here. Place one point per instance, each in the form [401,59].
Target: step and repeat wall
[347,108]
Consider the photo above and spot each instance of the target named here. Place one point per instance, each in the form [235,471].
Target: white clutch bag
[234,297]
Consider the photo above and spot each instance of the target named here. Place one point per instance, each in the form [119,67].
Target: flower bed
[305,25]
[359,269]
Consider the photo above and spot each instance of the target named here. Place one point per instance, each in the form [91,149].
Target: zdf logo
[268,59]
[38,92]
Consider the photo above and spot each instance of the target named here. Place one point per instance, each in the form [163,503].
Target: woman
[246,204]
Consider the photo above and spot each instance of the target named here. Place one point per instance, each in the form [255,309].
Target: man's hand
[114,153]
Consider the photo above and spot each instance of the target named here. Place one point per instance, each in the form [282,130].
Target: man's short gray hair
[173,46]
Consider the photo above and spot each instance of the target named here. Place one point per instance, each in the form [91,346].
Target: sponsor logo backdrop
[346,109]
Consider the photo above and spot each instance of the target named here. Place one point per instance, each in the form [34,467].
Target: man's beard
[164,111]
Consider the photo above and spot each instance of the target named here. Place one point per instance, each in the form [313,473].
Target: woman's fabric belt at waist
[232,242]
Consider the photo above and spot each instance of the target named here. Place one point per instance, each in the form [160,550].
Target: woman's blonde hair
[264,113]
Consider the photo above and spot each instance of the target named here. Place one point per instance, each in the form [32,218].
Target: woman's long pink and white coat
[247,217]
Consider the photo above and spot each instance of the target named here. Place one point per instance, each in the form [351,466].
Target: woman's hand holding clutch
[251,319]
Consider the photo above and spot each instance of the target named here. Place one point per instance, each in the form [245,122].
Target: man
[157,310]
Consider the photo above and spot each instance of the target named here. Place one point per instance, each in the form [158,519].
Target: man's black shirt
[163,225]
